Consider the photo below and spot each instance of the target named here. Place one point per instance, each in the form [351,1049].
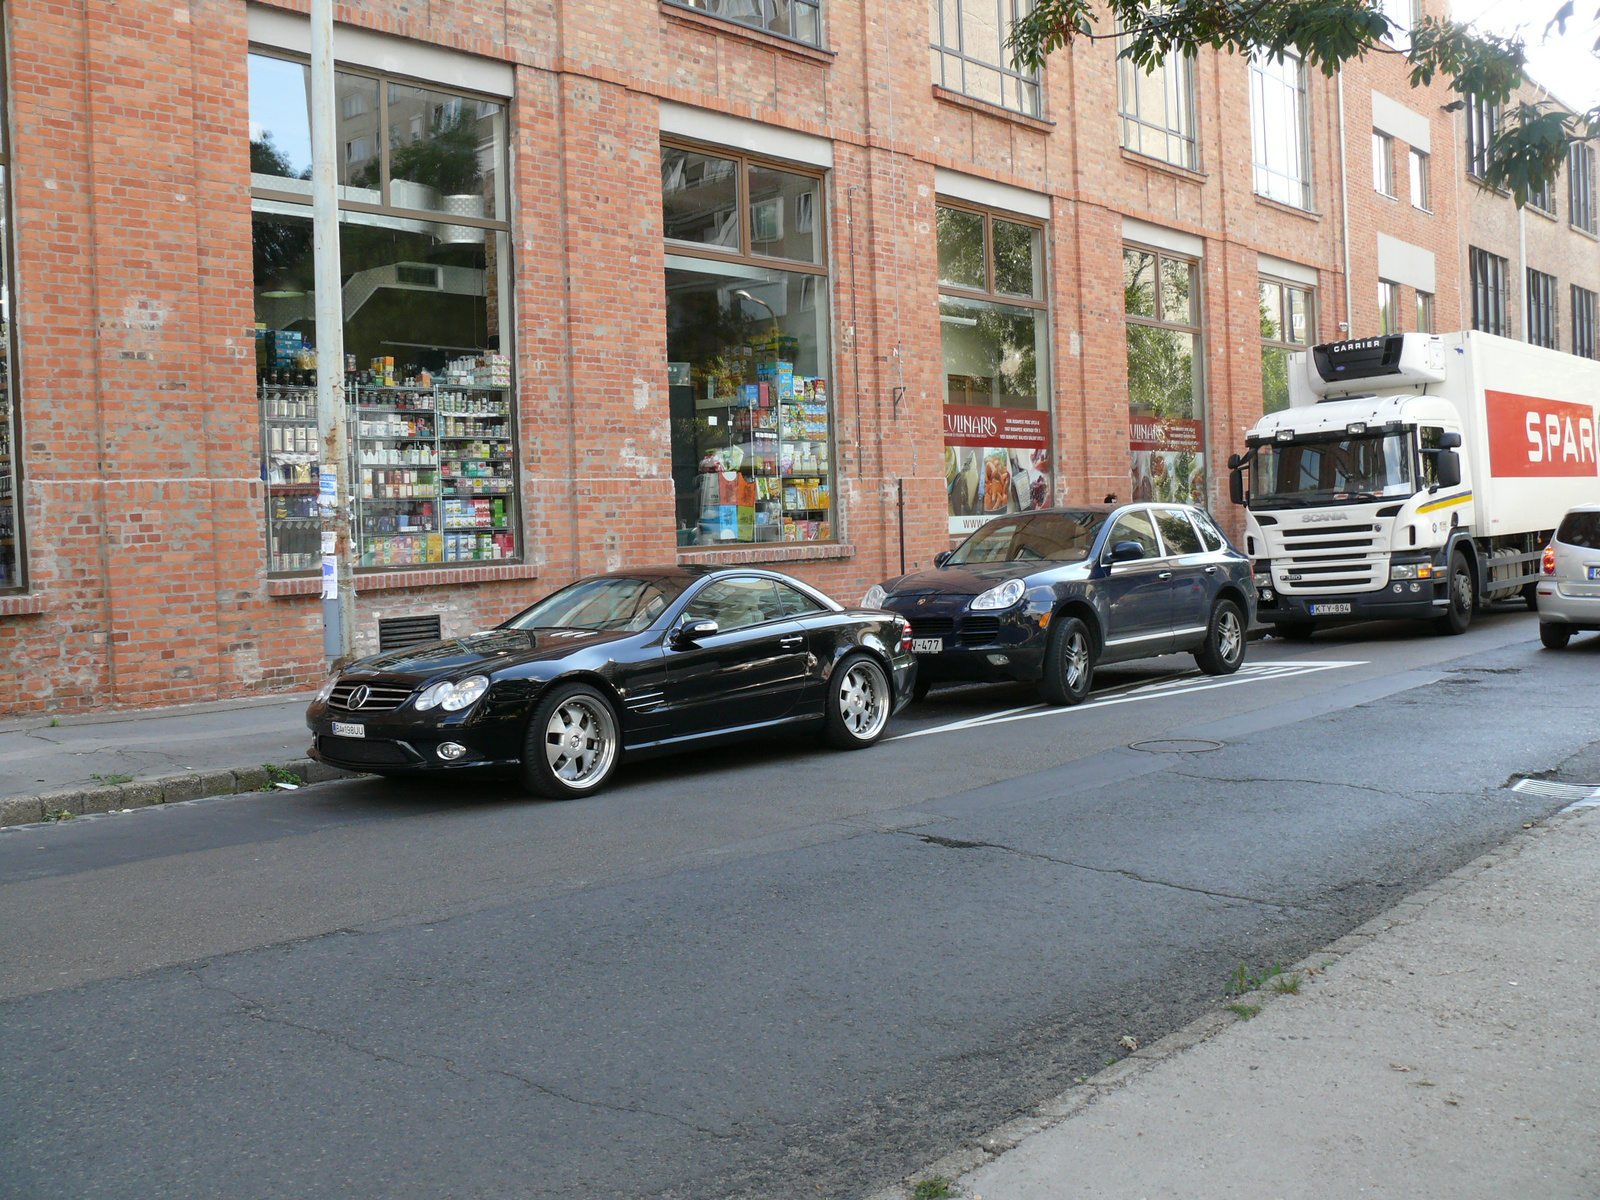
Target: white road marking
[1160,690]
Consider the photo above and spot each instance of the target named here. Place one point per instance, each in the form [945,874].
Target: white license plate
[1330,610]
[927,645]
[1594,572]
[346,729]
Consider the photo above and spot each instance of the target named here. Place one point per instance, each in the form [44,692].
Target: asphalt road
[772,971]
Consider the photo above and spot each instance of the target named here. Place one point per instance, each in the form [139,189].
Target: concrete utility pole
[333,491]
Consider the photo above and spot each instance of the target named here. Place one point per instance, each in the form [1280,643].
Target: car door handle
[1211,570]
[792,643]
[1165,575]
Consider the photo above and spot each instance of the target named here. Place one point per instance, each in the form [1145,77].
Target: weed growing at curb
[58,814]
[1244,1011]
[55,722]
[1287,985]
[1240,980]
[113,778]
[277,775]
[936,1187]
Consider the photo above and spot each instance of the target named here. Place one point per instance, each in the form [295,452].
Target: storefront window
[994,332]
[11,558]
[747,350]
[1166,426]
[1286,325]
[431,427]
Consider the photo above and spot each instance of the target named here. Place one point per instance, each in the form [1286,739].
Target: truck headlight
[1411,570]
[1004,596]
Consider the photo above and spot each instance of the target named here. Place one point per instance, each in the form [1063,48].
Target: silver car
[1569,592]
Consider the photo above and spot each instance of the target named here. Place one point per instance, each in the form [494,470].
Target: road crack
[950,843]
[635,1109]
[1328,783]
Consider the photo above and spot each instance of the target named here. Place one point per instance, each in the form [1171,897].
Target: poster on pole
[996,461]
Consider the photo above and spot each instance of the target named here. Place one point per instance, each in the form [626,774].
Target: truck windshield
[1331,471]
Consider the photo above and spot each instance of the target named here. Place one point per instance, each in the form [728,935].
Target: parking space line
[1251,673]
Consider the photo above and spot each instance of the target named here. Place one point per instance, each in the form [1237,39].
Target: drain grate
[1584,795]
[1176,746]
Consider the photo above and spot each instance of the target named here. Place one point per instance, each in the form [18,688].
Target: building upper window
[1543,324]
[1157,109]
[1382,163]
[1488,282]
[994,334]
[1280,134]
[1166,399]
[1543,198]
[1424,312]
[1402,16]
[797,19]
[1585,322]
[748,360]
[1287,322]
[1388,307]
[969,53]
[1483,120]
[11,556]
[1581,187]
[1421,185]
[425,256]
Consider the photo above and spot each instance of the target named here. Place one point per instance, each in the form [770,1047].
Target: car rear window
[1580,529]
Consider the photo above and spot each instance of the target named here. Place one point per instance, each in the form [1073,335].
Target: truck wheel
[1554,634]
[1223,650]
[1530,596]
[1462,598]
[1068,663]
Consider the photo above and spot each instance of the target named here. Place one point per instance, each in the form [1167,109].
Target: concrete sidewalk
[1450,1047]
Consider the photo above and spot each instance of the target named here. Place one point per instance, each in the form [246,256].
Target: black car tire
[858,703]
[1295,631]
[1223,650]
[1463,598]
[920,692]
[1068,663]
[573,743]
[1530,596]
[1554,635]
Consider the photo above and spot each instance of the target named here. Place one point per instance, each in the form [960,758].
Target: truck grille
[377,697]
[1326,558]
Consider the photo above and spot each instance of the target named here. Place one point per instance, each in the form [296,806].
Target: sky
[1564,64]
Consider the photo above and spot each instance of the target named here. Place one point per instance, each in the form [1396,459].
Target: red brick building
[629,283]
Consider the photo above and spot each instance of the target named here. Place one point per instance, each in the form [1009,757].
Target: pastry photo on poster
[1169,461]
[996,460]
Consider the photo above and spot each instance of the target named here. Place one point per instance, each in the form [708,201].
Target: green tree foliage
[1526,152]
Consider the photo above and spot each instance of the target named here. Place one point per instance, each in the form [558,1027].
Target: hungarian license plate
[1594,572]
[1330,610]
[346,729]
[927,645]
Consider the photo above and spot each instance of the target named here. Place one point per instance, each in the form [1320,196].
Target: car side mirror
[1126,552]
[942,557]
[1236,485]
[1449,467]
[691,632]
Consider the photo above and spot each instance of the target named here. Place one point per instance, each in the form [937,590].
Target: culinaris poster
[996,460]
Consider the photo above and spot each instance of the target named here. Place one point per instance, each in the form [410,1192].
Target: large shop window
[1286,325]
[994,330]
[1166,413]
[11,556]
[426,271]
[747,349]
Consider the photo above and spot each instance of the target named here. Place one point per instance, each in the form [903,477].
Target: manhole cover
[1175,746]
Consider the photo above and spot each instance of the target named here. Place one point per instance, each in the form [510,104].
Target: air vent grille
[396,633]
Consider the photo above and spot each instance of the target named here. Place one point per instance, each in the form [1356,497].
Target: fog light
[1266,593]
[1400,587]
[999,660]
[450,751]
[1416,587]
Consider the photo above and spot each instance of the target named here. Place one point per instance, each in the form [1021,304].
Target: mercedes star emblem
[358,695]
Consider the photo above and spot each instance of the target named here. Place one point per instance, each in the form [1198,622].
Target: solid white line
[1154,693]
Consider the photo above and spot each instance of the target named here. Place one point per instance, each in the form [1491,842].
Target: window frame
[1581,205]
[1585,321]
[743,161]
[988,293]
[1200,376]
[1389,302]
[12,341]
[1542,316]
[1483,122]
[1383,173]
[1543,201]
[1129,71]
[942,49]
[1419,167]
[1425,311]
[1300,89]
[1283,342]
[816,5]
[1491,308]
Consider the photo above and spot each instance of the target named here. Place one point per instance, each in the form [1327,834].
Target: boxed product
[779,375]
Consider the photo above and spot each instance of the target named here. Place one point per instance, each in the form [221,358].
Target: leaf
[1563,15]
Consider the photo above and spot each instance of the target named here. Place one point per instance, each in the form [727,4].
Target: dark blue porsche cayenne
[1047,596]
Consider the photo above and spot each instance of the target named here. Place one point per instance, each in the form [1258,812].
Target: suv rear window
[1580,529]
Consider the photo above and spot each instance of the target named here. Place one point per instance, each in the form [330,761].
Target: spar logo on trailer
[1530,436]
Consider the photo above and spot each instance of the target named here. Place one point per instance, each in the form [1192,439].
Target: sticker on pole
[330,577]
[327,490]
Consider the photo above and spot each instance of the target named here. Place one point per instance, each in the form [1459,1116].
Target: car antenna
[1110,499]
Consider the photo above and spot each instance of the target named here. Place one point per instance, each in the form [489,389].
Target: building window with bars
[1382,164]
[969,52]
[1156,108]
[1279,131]
[1585,317]
[1488,282]
[1388,307]
[1287,322]
[1580,187]
[797,19]
[1421,191]
[1541,319]
[1166,396]
[1483,119]
[1424,312]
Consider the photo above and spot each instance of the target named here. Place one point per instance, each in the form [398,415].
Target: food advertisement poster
[996,460]
[1169,461]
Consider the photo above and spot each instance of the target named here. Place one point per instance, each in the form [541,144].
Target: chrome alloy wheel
[580,742]
[864,700]
[1077,660]
[1230,638]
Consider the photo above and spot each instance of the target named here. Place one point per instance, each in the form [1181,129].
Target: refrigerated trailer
[1414,476]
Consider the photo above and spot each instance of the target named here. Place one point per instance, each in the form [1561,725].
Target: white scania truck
[1414,476]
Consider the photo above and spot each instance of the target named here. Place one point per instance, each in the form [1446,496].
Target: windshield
[1047,537]
[606,603]
[1330,471]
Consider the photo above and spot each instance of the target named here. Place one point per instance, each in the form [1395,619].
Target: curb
[1062,1107]
[159,789]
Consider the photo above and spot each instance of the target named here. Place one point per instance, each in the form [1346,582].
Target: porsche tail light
[1550,560]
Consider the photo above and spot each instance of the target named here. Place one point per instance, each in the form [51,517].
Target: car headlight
[453,696]
[326,689]
[875,597]
[1004,596]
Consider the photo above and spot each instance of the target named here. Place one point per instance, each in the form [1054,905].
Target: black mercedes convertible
[626,665]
